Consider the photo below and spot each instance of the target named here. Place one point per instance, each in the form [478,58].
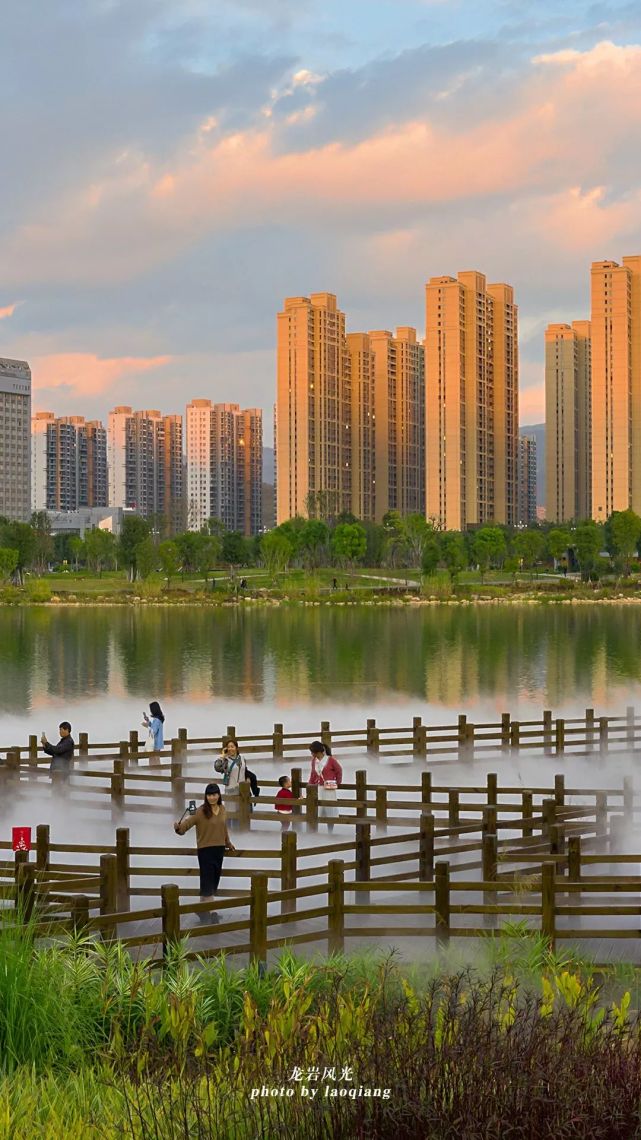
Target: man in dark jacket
[62,752]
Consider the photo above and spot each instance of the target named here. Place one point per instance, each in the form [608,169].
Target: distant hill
[268,465]
[538,432]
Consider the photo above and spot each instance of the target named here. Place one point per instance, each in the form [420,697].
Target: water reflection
[444,656]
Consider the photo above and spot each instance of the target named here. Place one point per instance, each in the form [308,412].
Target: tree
[146,557]
[528,546]
[430,556]
[134,531]
[487,547]
[322,504]
[511,566]
[293,529]
[587,543]
[169,556]
[21,537]
[349,542]
[313,539]
[234,548]
[208,552]
[453,553]
[43,542]
[276,550]
[417,533]
[624,534]
[77,549]
[8,562]
[188,544]
[557,541]
[100,547]
[394,537]
[375,543]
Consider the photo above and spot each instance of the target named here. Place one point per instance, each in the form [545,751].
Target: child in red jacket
[283,801]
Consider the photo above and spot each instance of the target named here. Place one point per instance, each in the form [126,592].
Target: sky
[172,169]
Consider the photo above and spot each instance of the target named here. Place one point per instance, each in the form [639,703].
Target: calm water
[252,667]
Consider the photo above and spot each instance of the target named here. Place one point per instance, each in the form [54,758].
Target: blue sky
[177,169]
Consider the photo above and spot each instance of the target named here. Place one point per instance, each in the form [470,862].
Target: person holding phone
[329,778]
[233,770]
[62,752]
[154,723]
[212,840]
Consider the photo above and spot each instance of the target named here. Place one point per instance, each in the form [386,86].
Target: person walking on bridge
[327,773]
[212,840]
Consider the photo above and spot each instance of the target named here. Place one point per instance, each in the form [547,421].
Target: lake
[250,666]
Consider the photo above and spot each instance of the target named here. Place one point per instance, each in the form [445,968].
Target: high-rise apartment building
[527,480]
[68,463]
[471,370]
[616,387]
[224,461]
[399,371]
[363,424]
[15,439]
[567,420]
[144,453]
[314,407]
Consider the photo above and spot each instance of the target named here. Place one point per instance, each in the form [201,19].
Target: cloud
[7,311]
[83,374]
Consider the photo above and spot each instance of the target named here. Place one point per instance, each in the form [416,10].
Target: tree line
[410,541]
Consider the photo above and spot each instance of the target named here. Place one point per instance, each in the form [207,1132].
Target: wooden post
[258,917]
[123,749]
[325,734]
[19,857]
[79,913]
[426,848]
[515,735]
[118,783]
[462,733]
[381,807]
[489,819]
[277,742]
[506,732]
[453,816]
[311,807]
[25,889]
[492,789]
[574,858]
[560,735]
[123,868]
[604,728]
[134,744]
[589,730]
[183,737]
[42,846]
[426,788]
[336,906]
[628,800]
[363,852]
[83,744]
[373,737]
[13,764]
[489,856]
[617,834]
[33,749]
[170,902]
[548,811]
[231,732]
[629,726]
[288,869]
[176,758]
[178,795]
[527,812]
[557,842]
[601,817]
[469,741]
[108,892]
[548,903]
[559,790]
[361,793]
[547,732]
[297,783]
[442,902]
[419,737]
[244,805]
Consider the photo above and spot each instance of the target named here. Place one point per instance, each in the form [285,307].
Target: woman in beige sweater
[212,839]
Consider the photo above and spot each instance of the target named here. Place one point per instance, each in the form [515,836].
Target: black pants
[210,860]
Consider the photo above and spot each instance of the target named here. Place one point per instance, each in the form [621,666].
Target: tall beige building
[567,421]
[471,367]
[399,370]
[224,456]
[15,439]
[314,406]
[363,429]
[616,386]
[144,455]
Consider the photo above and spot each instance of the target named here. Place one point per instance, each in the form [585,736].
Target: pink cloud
[88,375]
[8,311]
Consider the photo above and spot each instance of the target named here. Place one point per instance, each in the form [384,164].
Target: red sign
[21,838]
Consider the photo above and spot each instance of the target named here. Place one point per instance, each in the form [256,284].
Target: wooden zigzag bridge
[433,860]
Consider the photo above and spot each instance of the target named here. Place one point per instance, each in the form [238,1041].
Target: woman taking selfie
[212,839]
[233,770]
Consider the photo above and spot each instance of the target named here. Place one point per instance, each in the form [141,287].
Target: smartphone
[192,807]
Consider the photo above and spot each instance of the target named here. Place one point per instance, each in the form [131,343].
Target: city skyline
[156,217]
